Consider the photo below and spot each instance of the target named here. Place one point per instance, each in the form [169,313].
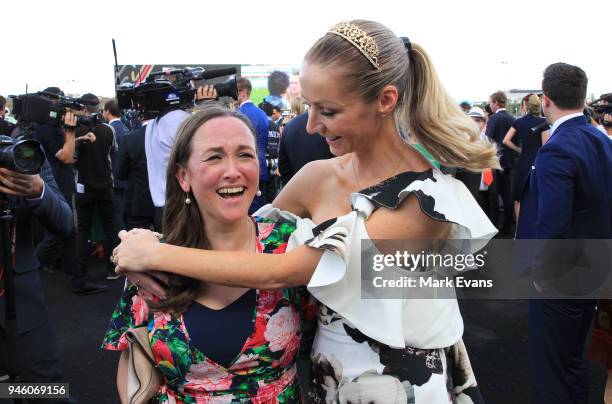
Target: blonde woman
[530,140]
[365,86]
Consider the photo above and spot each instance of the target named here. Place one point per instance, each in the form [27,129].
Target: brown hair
[500,98]
[244,84]
[182,223]
[424,109]
[565,85]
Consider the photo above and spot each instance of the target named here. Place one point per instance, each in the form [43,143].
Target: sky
[477,46]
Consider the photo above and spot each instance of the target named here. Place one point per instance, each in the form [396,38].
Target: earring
[187,199]
[258,193]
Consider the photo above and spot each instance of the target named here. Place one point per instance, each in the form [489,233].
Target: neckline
[391,179]
[183,326]
[241,297]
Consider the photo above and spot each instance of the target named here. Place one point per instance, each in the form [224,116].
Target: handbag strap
[139,337]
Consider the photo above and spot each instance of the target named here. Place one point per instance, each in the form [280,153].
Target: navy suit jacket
[53,212]
[497,127]
[132,169]
[121,132]
[570,186]
[298,148]
[569,197]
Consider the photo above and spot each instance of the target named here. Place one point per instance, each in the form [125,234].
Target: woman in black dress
[529,142]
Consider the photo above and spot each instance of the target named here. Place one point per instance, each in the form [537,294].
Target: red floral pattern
[264,371]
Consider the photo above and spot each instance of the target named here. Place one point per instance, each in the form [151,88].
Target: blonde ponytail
[436,121]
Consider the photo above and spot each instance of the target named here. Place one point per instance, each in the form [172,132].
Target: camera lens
[28,157]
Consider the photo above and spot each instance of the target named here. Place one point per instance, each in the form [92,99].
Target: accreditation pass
[34,390]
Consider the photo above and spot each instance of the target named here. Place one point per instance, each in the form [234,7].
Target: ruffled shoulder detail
[440,196]
[337,279]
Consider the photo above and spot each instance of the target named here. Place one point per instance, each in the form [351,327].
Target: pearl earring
[187,199]
[258,193]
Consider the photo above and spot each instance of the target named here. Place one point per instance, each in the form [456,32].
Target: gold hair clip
[359,39]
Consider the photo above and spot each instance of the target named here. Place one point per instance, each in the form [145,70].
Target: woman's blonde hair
[424,109]
[533,105]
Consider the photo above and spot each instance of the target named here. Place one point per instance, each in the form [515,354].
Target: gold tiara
[359,39]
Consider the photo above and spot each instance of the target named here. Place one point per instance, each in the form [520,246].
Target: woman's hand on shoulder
[407,222]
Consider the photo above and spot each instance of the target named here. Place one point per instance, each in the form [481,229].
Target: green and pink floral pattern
[264,371]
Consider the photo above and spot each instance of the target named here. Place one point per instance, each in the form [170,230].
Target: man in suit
[112,115]
[569,197]
[497,127]
[298,148]
[95,189]
[132,168]
[36,343]
[260,122]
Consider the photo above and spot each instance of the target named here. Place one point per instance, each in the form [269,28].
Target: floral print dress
[264,371]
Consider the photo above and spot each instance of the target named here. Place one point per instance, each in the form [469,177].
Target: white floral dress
[390,351]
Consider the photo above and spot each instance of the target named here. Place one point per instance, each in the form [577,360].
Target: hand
[70,121]
[134,251]
[88,137]
[206,93]
[14,183]
[150,284]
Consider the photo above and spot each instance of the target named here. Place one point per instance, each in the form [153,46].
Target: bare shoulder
[297,196]
[408,221]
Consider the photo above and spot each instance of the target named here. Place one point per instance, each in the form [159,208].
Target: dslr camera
[24,156]
[172,89]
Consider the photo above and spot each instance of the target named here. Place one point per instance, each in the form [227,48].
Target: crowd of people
[251,218]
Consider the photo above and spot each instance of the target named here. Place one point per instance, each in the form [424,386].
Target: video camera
[601,107]
[49,108]
[172,89]
[23,156]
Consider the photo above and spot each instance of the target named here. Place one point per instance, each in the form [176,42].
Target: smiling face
[345,121]
[222,171]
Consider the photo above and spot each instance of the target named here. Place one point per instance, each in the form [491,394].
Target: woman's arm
[508,140]
[122,371]
[140,251]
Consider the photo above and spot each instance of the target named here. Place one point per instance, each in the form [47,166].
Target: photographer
[54,252]
[606,122]
[94,189]
[36,343]
[159,139]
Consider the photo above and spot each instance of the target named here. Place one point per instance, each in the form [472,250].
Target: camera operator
[36,342]
[55,252]
[94,189]
[606,122]
[6,128]
[159,139]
